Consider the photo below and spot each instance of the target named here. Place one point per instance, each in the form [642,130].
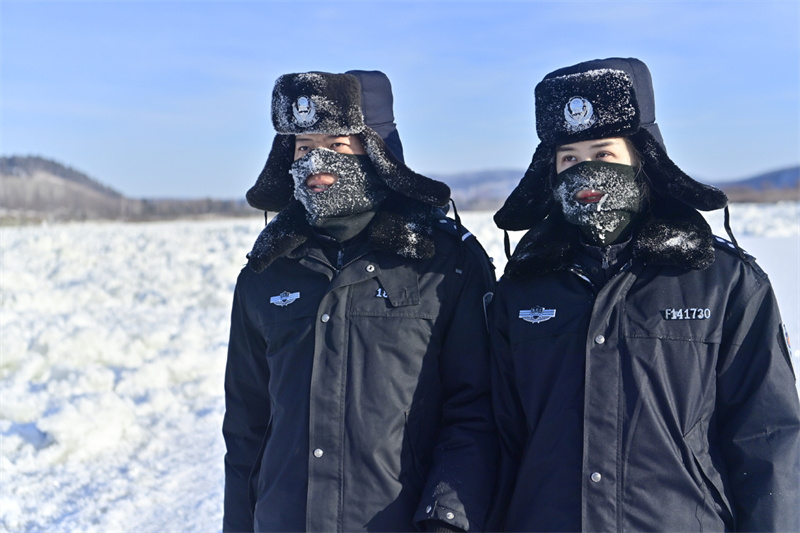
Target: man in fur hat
[357,384]
[642,378]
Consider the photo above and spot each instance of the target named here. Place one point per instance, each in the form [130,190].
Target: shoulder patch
[458,231]
[449,225]
[725,244]
[728,247]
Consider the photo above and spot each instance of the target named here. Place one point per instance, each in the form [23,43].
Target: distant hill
[28,166]
[481,190]
[488,189]
[772,186]
[33,189]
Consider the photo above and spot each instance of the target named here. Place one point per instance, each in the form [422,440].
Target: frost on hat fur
[595,100]
[331,104]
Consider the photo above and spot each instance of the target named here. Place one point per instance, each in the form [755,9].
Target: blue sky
[171,99]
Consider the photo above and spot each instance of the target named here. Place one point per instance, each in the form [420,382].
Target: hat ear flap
[532,200]
[399,177]
[274,187]
[664,176]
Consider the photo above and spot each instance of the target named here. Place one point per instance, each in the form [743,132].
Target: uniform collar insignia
[534,315]
[284,298]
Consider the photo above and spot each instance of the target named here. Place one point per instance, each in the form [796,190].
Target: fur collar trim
[673,235]
[401,226]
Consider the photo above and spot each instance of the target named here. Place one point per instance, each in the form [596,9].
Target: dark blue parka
[662,400]
[363,403]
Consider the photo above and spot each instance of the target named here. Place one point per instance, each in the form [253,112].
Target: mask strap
[730,233]
[507,244]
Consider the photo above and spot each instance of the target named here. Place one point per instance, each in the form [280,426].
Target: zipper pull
[340,259]
[605,257]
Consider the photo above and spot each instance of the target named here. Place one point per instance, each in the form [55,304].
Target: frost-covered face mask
[599,197]
[357,188]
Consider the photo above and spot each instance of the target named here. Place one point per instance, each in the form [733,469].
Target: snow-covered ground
[113,340]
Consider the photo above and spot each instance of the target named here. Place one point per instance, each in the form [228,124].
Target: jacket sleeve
[758,415]
[460,482]
[247,412]
[509,414]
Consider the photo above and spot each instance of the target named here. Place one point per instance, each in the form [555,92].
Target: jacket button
[318,453]
[599,339]
[450,516]
[596,477]
[370,268]
[325,317]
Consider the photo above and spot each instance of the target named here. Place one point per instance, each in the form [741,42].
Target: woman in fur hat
[642,379]
[357,384]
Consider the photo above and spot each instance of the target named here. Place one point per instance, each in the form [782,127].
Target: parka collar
[401,226]
[670,235]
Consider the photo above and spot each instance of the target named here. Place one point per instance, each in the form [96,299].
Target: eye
[568,158]
[604,153]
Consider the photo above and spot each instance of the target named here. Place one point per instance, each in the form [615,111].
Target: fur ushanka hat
[355,103]
[594,100]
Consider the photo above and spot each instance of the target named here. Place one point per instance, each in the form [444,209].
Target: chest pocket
[674,308]
[398,295]
[541,314]
[288,305]
[281,321]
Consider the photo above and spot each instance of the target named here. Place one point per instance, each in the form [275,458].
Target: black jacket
[363,404]
[663,400]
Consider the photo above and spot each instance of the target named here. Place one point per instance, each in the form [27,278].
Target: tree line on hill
[33,189]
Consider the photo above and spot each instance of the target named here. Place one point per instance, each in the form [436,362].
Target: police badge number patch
[284,298]
[687,313]
[536,315]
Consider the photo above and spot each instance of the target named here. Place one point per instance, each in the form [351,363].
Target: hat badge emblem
[305,111]
[579,114]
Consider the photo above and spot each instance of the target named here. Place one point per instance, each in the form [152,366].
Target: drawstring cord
[730,233]
[461,250]
[455,213]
